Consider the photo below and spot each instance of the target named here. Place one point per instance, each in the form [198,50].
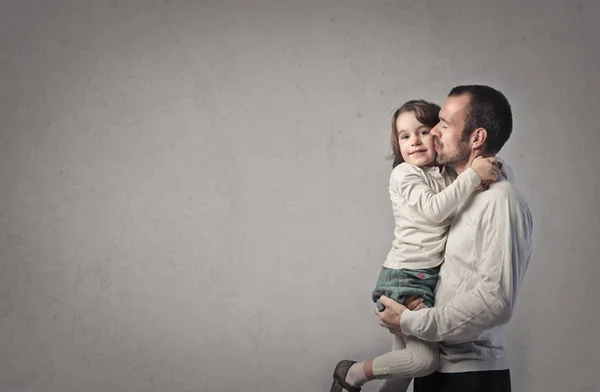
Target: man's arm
[435,207]
[505,253]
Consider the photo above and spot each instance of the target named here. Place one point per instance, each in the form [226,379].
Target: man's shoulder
[503,194]
[503,190]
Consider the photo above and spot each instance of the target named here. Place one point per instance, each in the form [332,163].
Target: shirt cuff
[408,321]
[473,176]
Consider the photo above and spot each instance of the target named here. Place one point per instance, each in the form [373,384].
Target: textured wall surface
[193,194]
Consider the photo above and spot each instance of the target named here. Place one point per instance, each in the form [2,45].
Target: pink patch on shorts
[422,276]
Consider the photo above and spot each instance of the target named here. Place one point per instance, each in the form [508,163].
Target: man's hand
[390,317]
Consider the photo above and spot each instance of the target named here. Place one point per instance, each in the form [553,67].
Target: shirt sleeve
[505,230]
[435,207]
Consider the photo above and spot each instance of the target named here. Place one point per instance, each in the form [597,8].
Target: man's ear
[478,138]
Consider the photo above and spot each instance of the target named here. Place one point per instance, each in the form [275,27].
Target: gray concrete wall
[193,194]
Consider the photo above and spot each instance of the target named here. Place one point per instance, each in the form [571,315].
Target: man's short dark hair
[489,109]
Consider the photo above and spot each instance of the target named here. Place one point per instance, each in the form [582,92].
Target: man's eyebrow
[444,120]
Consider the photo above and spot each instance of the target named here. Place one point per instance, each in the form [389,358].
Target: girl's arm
[410,182]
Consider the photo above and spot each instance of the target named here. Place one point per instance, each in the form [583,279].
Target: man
[487,253]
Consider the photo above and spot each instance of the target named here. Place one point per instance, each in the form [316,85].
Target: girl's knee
[430,364]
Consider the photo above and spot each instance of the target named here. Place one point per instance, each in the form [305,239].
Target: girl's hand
[414,303]
[486,168]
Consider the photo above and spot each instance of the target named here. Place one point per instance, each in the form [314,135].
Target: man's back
[487,253]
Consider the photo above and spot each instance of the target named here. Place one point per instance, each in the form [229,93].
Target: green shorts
[398,284]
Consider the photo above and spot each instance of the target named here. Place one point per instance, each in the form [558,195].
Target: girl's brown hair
[427,113]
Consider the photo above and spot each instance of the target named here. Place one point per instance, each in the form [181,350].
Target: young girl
[423,198]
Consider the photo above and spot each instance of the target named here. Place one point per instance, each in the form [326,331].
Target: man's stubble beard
[460,155]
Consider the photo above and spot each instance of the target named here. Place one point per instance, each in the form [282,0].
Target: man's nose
[435,131]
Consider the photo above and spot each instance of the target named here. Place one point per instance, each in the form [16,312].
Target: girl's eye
[403,137]
[424,132]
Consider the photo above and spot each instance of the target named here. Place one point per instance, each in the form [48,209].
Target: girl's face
[415,141]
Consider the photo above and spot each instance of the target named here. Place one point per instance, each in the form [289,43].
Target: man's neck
[462,166]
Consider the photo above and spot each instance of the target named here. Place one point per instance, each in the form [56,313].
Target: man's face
[450,144]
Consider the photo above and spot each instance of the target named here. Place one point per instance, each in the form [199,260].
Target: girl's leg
[396,384]
[361,373]
[419,358]
[410,357]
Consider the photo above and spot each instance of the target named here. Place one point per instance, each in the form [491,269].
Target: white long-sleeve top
[488,250]
[423,200]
